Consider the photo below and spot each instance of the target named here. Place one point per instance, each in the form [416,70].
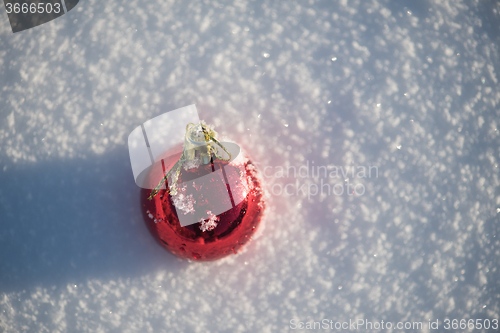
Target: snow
[210,223]
[191,163]
[185,203]
[412,90]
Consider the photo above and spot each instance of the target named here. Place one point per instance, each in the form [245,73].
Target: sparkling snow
[410,87]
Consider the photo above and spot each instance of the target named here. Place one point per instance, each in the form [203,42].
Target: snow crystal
[184,203]
[192,163]
[210,223]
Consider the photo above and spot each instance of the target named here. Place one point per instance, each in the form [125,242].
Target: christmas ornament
[205,202]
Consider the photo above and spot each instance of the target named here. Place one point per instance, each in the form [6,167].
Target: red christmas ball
[234,184]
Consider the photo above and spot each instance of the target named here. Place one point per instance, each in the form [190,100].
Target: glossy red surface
[235,227]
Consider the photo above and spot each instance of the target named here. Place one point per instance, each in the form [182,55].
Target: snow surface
[408,87]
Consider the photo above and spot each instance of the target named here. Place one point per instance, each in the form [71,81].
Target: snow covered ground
[408,88]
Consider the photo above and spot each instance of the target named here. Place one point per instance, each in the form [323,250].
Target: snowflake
[210,223]
[184,203]
[193,163]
